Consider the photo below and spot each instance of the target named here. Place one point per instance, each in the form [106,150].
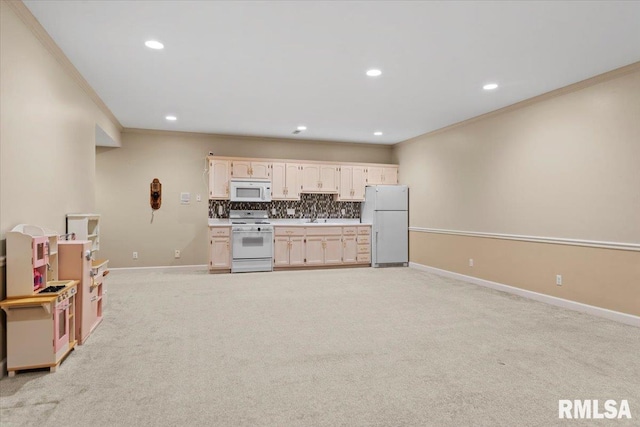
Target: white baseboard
[166,267]
[617,316]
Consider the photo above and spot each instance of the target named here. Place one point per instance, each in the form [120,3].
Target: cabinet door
[374,175]
[314,250]
[333,250]
[310,178]
[220,253]
[328,178]
[358,182]
[281,251]
[241,169]
[260,170]
[390,175]
[345,191]
[296,251]
[219,171]
[278,181]
[350,249]
[293,181]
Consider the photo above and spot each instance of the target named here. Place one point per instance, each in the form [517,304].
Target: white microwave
[250,190]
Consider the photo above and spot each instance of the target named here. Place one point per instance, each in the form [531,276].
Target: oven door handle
[254,232]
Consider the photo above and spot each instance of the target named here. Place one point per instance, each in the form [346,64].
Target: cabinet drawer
[289,231]
[324,231]
[364,258]
[364,249]
[364,239]
[349,230]
[364,231]
[220,231]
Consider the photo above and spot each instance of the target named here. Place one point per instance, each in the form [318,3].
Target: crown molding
[41,34]
[592,81]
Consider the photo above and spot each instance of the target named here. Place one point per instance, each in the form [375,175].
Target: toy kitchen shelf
[86,226]
[32,260]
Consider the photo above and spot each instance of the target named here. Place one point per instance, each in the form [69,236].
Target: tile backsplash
[308,205]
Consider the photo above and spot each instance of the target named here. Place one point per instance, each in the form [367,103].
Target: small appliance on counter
[252,241]
[386,207]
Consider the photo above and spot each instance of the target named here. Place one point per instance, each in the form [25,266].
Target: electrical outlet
[559,279]
[177,253]
[291,211]
[344,211]
[135,255]
[220,210]
[273,211]
[470,262]
[198,198]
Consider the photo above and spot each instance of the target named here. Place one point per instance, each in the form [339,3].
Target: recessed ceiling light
[377,133]
[373,72]
[490,86]
[154,44]
[171,118]
[302,128]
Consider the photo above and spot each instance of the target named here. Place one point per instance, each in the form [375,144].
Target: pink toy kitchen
[55,296]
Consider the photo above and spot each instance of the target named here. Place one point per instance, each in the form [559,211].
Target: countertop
[225,222]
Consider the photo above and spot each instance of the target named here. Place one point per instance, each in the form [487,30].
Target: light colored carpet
[356,347]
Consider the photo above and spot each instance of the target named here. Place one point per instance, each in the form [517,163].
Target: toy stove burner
[52,289]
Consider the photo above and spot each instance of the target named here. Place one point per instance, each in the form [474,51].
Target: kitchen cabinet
[285,181]
[289,246]
[250,169]
[220,249]
[386,175]
[319,178]
[323,245]
[85,227]
[219,173]
[352,183]
[363,240]
[40,329]
[349,245]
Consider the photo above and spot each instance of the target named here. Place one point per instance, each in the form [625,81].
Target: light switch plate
[273,211]
[291,211]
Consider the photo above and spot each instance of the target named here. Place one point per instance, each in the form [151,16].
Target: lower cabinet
[288,247]
[321,246]
[220,249]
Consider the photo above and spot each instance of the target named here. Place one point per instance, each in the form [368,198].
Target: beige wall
[47,132]
[178,161]
[604,278]
[564,166]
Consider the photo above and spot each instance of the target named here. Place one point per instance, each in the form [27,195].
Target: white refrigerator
[386,207]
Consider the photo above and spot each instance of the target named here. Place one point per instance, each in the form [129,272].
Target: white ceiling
[263,68]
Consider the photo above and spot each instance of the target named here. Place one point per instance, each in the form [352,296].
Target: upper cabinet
[249,169]
[353,180]
[291,178]
[219,173]
[286,180]
[377,175]
[319,178]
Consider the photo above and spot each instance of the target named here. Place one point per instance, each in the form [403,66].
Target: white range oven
[252,241]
